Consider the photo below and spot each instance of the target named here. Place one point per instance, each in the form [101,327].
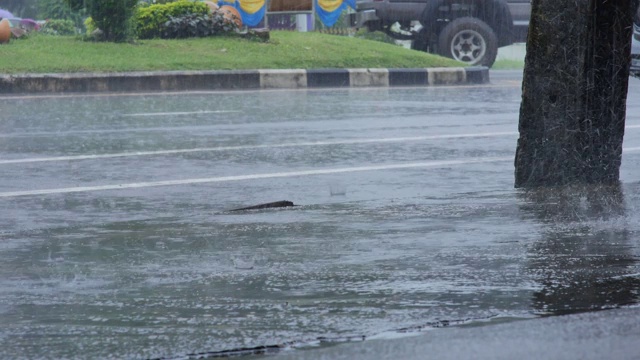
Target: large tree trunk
[574,92]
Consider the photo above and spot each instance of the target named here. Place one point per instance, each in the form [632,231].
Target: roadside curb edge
[238,80]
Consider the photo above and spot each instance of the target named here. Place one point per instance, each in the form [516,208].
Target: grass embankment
[286,50]
[508,64]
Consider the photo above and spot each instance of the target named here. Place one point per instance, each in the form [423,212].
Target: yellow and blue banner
[251,11]
[329,10]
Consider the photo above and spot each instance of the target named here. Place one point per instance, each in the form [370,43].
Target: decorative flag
[251,11]
[329,10]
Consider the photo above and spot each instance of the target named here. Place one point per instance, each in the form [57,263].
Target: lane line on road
[179,113]
[266,146]
[139,185]
[252,147]
[103,131]
[137,130]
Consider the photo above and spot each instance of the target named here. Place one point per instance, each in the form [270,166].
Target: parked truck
[470,31]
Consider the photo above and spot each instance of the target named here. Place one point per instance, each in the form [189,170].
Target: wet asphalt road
[116,239]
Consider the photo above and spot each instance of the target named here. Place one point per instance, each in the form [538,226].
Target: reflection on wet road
[116,239]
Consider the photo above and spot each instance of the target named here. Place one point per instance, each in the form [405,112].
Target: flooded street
[116,239]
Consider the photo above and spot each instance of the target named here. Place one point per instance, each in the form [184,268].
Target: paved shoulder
[239,80]
[611,334]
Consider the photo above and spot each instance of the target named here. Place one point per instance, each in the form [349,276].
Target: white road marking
[180,113]
[429,164]
[250,147]
[267,146]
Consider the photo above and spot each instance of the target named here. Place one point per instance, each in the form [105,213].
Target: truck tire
[469,40]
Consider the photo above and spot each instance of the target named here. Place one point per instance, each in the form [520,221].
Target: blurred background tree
[112,17]
[60,10]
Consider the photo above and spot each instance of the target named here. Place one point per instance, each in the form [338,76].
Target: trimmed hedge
[150,20]
[196,25]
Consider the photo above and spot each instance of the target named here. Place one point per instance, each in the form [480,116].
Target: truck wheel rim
[468,46]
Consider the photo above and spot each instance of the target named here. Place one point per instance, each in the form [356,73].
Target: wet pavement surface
[611,334]
[116,239]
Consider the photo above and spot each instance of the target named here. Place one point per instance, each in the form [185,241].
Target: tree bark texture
[574,92]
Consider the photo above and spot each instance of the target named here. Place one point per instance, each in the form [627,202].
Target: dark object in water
[277,204]
[259,350]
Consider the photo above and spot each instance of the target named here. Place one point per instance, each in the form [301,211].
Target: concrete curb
[239,80]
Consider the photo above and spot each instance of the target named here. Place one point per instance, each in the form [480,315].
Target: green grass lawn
[508,64]
[286,50]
